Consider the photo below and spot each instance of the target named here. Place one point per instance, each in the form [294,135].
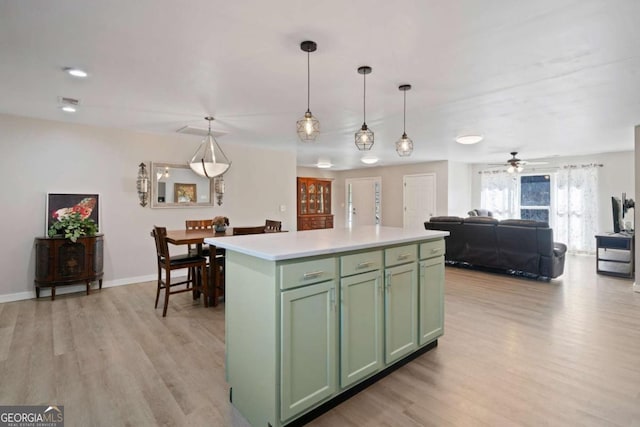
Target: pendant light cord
[308,81]
[404,116]
[364,99]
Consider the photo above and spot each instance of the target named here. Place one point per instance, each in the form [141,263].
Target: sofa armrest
[559,249]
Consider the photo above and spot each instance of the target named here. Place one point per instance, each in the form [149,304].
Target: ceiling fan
[515,164]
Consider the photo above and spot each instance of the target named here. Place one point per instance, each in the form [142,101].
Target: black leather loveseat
[512,245]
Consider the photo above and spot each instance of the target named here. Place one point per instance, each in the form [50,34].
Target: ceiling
[544,78]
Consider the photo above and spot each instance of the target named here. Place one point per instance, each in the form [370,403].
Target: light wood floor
[515,352]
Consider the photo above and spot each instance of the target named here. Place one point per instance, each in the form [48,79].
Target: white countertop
[298,244]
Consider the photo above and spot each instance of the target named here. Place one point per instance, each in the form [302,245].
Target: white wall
[40,156]
[636,157]
[615,176]
[459,184]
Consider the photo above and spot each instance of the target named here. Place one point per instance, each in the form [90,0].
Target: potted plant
[220,223]
[72,226]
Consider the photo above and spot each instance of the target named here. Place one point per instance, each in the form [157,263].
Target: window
[535,197]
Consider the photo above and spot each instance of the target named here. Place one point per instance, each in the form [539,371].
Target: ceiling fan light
[469,139]
[511,169]
[519,168]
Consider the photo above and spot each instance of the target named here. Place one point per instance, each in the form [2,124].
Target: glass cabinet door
[312,198]
[327,198]
[320,198]
[303,198]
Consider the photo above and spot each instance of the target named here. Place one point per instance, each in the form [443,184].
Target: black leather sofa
[513,245]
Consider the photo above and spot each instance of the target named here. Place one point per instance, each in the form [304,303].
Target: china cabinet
[314,203]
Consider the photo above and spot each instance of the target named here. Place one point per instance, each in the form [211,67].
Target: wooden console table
[615,254]
[60,261]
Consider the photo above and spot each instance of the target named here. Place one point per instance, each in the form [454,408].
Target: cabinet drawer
[432,249]
[360,263]
[400,255]
[307,272]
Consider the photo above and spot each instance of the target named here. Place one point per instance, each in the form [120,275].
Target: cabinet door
[302,197]
[327,197]
[308,370]
[431,299]
[361,326]
[401,311]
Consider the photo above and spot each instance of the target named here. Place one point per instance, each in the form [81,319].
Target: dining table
[196,237]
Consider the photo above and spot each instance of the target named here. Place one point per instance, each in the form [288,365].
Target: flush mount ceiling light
[323,164]
[469,139]
[68,109]
[209,159]
[76,72]
[404,146]
[364,137]
[369,160]
[308,127]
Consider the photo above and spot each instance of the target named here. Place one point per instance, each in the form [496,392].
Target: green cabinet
[401,311]
[361,326]
[431,299]
[301,331]
[308,363]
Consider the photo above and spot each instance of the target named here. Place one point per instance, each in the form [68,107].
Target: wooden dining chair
[271,226]
[218,260]
[248,230]
[170,263]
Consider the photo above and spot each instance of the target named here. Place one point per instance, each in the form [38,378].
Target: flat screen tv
[616,210]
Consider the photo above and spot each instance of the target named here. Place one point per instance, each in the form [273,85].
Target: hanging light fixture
[364,137]
[404,146]
[308,126]
[209,159]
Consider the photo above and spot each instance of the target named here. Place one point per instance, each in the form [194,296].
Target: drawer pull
[403,256]
[312,274]
[434,250]
[364,264]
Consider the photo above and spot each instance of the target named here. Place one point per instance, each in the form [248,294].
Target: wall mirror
[176,186]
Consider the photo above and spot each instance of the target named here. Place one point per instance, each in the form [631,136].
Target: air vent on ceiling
[192,130]
[68,101]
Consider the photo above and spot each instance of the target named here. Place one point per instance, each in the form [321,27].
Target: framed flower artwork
[62,204]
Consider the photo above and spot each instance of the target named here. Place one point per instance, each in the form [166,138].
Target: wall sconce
[218,187]
[142,184]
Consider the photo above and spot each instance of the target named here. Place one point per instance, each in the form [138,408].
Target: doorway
[419,195]
[364,196]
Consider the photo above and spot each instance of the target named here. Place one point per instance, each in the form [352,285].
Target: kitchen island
[313,316]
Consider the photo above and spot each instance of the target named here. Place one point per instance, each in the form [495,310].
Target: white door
[363,201]
[419,199]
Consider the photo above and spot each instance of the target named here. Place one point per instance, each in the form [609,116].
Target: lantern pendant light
[209,160]
[364,137]
[404,146]
[308,127]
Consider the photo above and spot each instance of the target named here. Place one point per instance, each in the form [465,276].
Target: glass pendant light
[308,127]
[364,137]
[209,159]
[404,146]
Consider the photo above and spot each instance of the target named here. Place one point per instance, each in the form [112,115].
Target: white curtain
[499,194]
[577,208]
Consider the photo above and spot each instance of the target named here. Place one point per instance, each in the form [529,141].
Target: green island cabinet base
[304,334]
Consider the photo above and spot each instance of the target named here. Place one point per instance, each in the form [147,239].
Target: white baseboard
[45,292]
[636,287]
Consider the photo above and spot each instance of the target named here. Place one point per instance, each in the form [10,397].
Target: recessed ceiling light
[469,139]
[76,72]
[68,109]
[324,165]
[369,160]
